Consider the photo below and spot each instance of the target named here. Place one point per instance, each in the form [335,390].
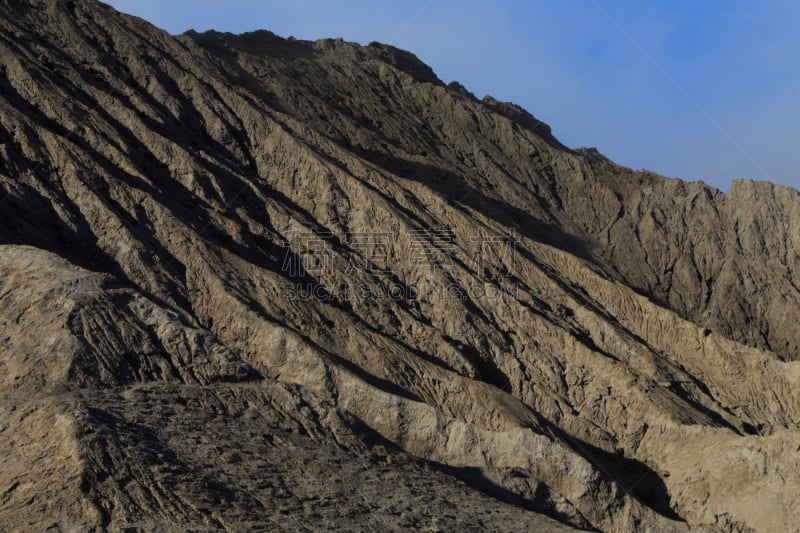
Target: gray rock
[490,331]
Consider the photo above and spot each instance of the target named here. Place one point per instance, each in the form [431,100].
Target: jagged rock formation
[249,282]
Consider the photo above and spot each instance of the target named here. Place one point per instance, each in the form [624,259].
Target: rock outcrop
[256,283]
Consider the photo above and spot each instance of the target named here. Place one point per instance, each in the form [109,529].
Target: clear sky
[696,89]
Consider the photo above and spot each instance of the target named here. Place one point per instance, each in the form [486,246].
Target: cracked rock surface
[249,283]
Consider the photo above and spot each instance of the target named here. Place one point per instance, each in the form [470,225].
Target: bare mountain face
[256,283]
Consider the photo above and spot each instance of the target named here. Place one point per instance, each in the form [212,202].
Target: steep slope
[116,415]
[688,246]
[213,234]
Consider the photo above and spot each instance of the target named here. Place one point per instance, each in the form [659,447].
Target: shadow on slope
[459,192]
[633,477]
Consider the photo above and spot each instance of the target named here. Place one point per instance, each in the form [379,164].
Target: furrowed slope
[316,232]
[688,246]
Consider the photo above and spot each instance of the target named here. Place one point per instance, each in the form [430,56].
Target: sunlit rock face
[256,283]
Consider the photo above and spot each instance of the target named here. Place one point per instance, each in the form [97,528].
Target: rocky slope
[256,283]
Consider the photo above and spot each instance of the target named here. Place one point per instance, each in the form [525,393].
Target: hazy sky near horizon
[696,89]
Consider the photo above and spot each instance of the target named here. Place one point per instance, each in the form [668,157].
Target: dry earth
[249,283]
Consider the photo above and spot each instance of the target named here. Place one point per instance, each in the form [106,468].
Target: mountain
[251,283]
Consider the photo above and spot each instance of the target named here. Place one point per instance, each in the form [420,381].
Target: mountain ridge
[166,201]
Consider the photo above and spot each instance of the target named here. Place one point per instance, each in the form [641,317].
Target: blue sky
[696,89]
